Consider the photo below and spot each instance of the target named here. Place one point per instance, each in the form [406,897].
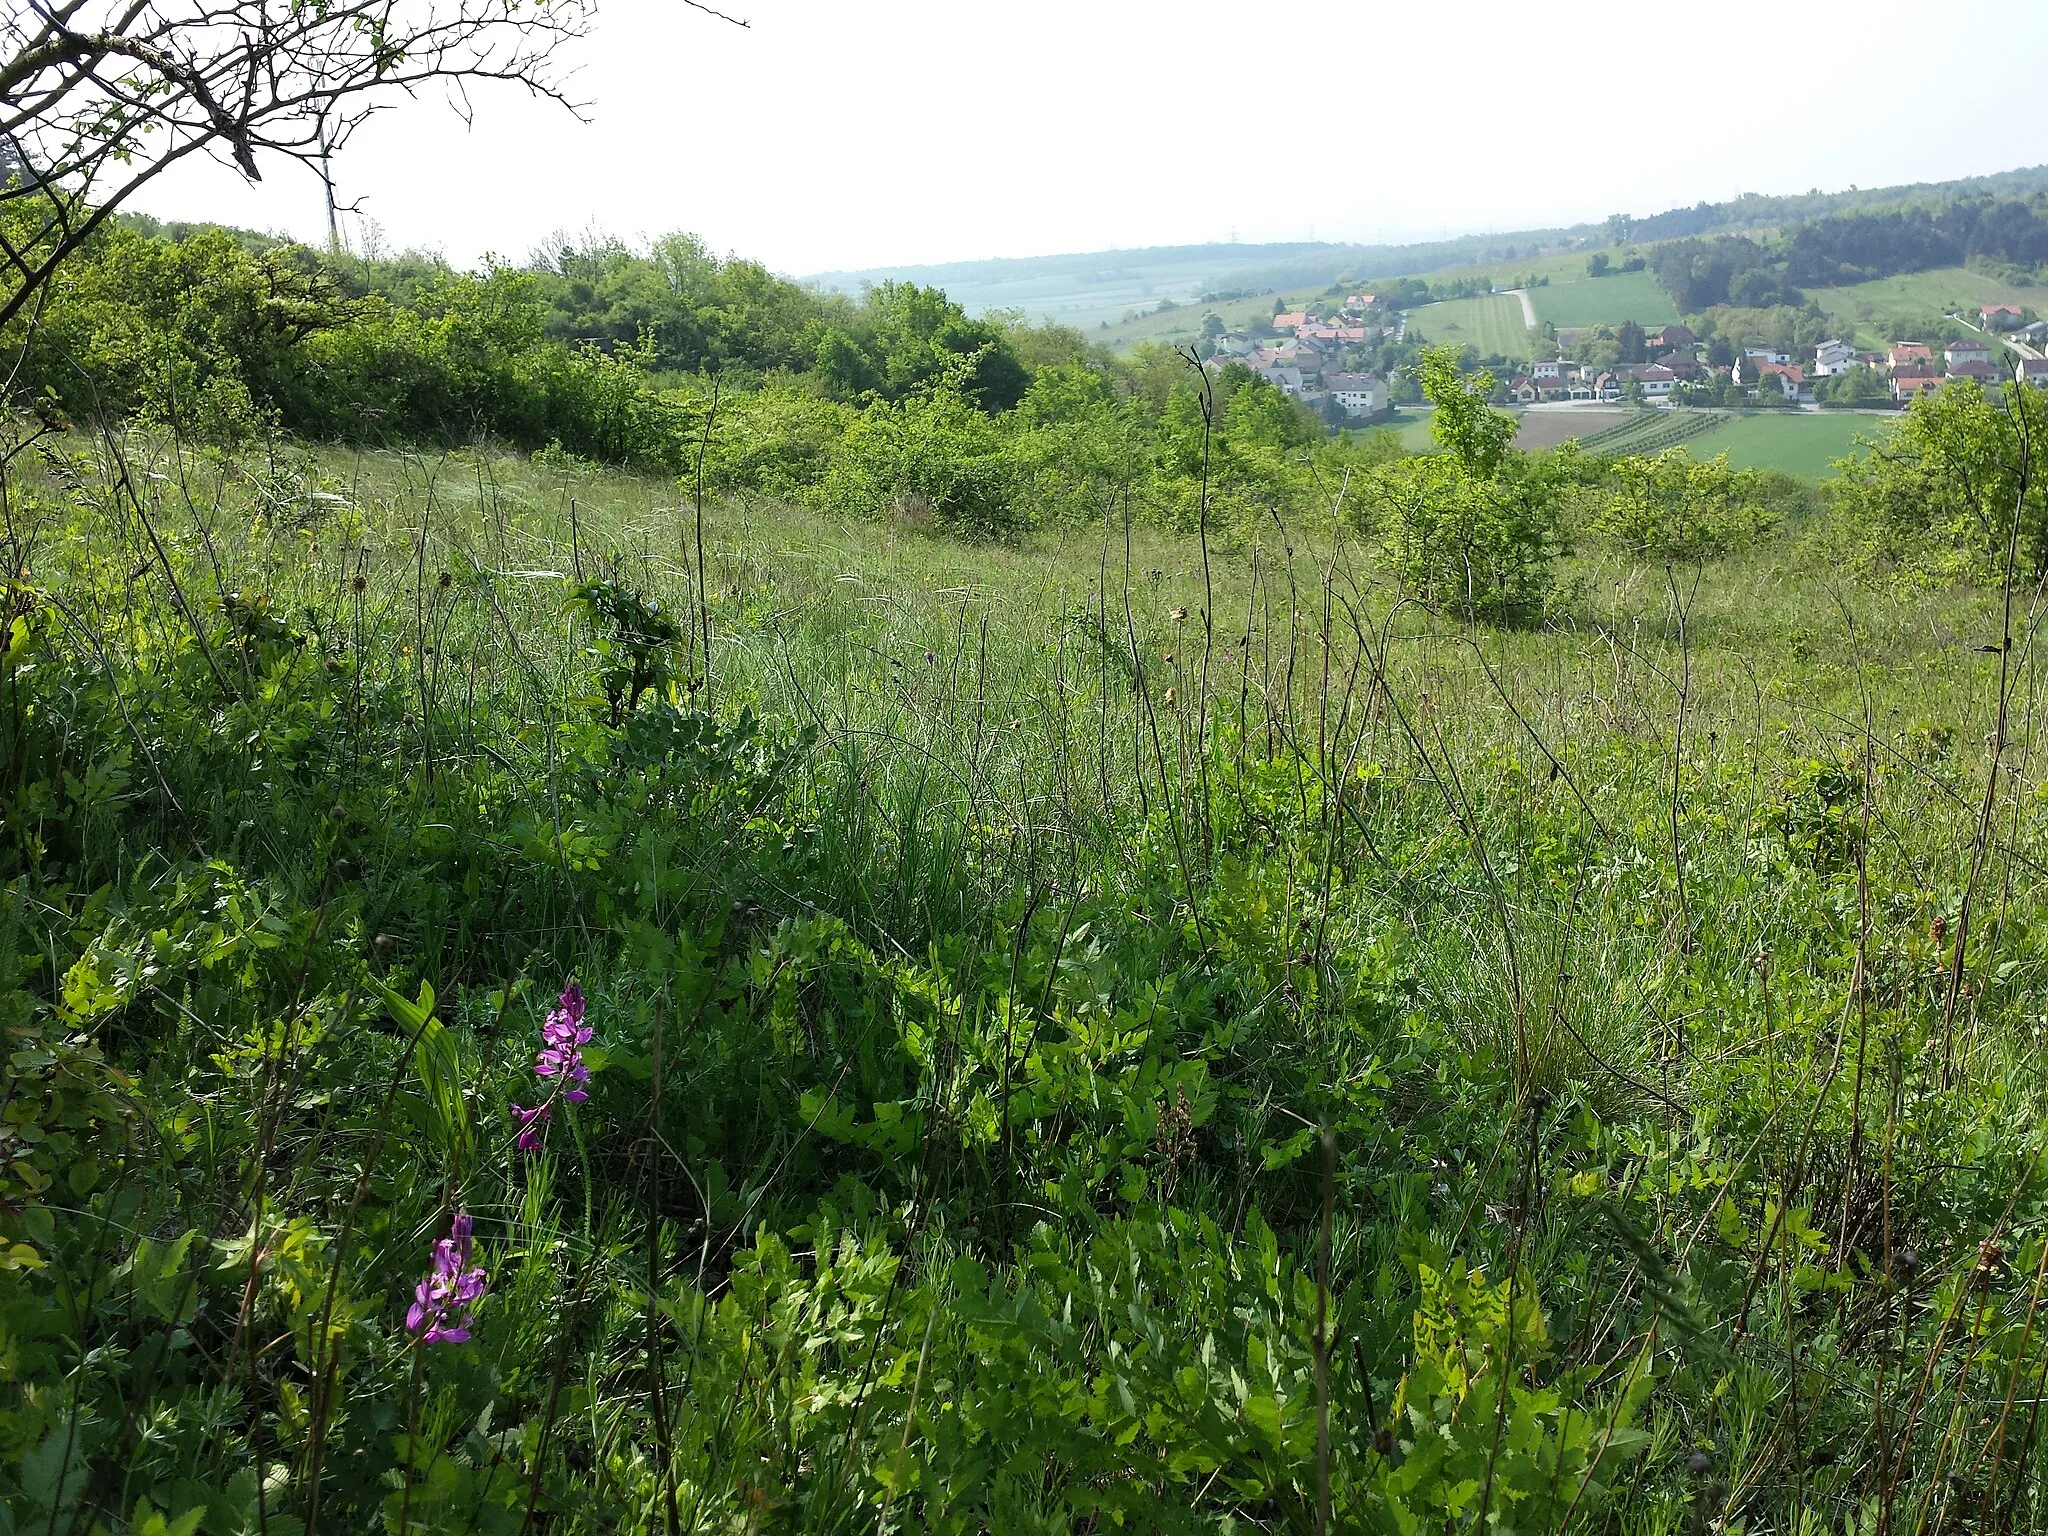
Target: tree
[100,97]
[1597,264]
[1956,481]
[1632,392]
[1674,508]
[1470,430]
[1631,342]
[1855,387]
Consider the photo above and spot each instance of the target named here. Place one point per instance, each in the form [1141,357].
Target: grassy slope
[1605,301]
[1183,323]
[1493,324]
[964,686]
[1901,308]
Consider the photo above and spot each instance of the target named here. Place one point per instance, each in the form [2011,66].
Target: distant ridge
[1083,287]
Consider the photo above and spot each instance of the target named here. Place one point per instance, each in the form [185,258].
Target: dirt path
[1528,309]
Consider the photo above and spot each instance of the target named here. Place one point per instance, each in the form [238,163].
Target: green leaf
[410,1016]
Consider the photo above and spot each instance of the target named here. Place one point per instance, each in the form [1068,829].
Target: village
[1324,361]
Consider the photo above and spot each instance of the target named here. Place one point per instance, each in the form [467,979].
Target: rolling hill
[1094,288]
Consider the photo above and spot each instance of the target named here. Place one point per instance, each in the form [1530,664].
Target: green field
[1604,301]
[1902,308]
[1804,443]
[1183,322]
[1493,324]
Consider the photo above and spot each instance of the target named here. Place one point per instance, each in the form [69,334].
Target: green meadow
[1493,324]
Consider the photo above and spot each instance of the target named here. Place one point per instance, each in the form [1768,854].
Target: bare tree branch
[99,97]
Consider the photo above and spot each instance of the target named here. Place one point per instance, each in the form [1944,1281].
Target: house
[1983,373]
[1672,338]
[1657,380]
[1559,388]
[1607,387]
[2034,333]
[1966,352]
[1556,369]
[1684,364]
[1290,319]
[1766,355]
[1833,357]
[2034,370]
[1358,303]
[1357,394]
[1912,380]
[1790,376]
[1523,391]
[1908,352]
[1286,380]
[1998,317]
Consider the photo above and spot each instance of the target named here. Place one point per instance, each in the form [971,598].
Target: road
[2020,347]
[1528,309]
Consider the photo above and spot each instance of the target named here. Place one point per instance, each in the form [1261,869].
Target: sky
[828,135]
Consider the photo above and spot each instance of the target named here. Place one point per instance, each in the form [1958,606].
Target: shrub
[1671,507]
[1475,547]
[1469,531]
[1939,501]
[932,453]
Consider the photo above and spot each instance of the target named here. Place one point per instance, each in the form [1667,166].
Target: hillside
[1092,287]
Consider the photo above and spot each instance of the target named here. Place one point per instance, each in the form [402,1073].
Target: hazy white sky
[844,135]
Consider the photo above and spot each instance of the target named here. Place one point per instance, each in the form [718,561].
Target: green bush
[1672,507]
[1468,531]
[1946,495]
[931,457]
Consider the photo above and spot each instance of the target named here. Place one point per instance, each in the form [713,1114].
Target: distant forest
[1856,247]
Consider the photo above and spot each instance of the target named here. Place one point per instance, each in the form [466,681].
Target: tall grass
[1009,944]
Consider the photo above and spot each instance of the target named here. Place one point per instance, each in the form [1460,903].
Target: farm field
[1492,323]
[1604,300]
[1180,324]
[1546,429]
[1904,307]
[1803,443]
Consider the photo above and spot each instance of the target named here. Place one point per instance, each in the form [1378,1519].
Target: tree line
[1758,272]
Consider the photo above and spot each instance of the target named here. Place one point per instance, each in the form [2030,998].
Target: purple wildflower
[441,1303]
[563,1035]
[532,1125]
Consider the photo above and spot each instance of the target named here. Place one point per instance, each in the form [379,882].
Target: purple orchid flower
[532,1125]
[563,1035]
[441,1303]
